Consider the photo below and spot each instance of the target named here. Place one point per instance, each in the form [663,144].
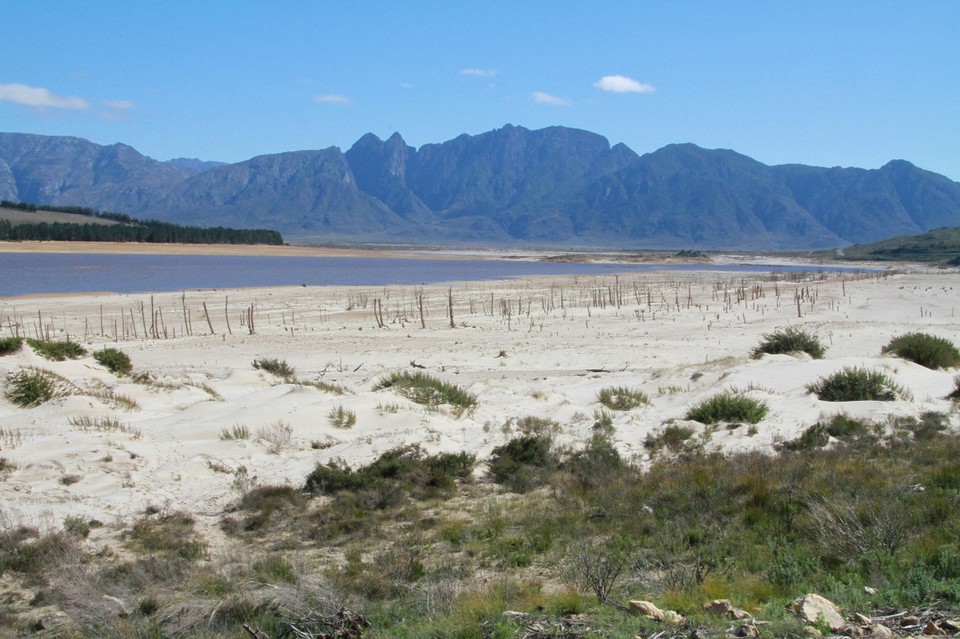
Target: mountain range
[551,187]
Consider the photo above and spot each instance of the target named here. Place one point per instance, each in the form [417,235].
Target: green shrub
[10,345]
[278,367]
[673,436]
[955,393]
[29,388]
[57,351]
[815,436]
[115,361]
[622,398]
[789,340]
[524,462]
[264,502]
[926,350]
[856,385]
[403,469]
[728,407]
[429,391]
[170,534]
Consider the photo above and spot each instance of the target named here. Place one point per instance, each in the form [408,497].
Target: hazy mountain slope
[556,185]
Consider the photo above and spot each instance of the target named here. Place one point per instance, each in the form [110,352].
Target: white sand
[174,456]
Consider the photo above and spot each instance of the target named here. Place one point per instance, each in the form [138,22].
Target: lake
[38,273]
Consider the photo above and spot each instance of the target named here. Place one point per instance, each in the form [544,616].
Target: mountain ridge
[552,186]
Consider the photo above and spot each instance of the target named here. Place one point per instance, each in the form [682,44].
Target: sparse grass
[115,361]
[278,435]
[728,407]
[235,432]
[326,387]
[622,398]
[116,399]
[69,479]
[57,351]
[10,345]
[789,340]
[429,391]
[278,367]
[924,349]
[104,425]
[341,417]
[10,438]
[856,385]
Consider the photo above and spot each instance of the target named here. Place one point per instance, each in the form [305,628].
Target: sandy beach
[534,347]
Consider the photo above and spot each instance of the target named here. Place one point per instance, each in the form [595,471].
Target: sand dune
[541,347]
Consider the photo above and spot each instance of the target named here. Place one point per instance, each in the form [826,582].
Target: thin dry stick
[226,312]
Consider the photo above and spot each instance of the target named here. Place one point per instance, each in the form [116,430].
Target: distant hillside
[940,246]
[554,186]
[22,221]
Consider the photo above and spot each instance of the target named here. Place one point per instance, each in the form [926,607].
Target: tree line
[127,229]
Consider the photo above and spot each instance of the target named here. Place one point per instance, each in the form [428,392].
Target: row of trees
[127,229]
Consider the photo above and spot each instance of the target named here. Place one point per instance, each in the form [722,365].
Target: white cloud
[622,84]
[483,73]
[120,105]
[333,98]
[38,97]
[546,98]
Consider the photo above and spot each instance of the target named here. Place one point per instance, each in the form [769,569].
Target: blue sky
[850,83]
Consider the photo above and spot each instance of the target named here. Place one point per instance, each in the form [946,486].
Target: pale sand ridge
[679,337]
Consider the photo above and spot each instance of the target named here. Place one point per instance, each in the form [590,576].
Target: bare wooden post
[186,320]
[101,319]
[450,306]
[226,312]
[153,320]
[209,323]
[143,318]
[423,323]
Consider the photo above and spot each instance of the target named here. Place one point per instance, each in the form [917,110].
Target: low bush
[789,340]
[429,391]
[10,345]
[169,534]
[674,437]
[728,407]
[856,385]
[278,367]
[926,350]
[262,503]
[955,393]
[57,351]
[622,398]
[407,469]
[524,462]
[115,361]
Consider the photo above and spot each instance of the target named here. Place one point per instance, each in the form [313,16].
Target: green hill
[939,246]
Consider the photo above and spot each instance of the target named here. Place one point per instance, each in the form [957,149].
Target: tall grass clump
[429,391]
[29,388]
[10,345]
[341,417]
[115,361]
[856,385]
[622,398]
[57,351]
[278,367]
[924,349]
[728,407]
[789,340]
